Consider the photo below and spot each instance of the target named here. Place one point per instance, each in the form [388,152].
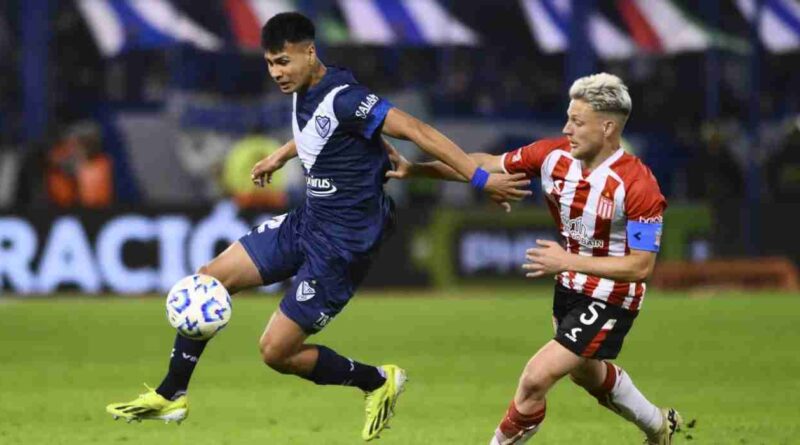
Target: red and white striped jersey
[592,209]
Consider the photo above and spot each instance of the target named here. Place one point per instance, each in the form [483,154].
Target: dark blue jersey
[336,125]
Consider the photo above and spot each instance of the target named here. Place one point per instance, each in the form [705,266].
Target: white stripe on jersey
[568,192]
[619,224]
[548,166]
[308,140]
[595,190]
[632,297]
[548,185]
[629,299]
[604,288]
[579,282]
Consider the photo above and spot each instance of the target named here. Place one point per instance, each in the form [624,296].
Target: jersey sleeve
[645,207]
[530,158]
[360,111]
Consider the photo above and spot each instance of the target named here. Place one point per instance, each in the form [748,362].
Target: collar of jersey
[609,160]
[334,75]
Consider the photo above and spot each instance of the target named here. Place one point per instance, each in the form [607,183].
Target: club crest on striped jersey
[605,207]
[323,125]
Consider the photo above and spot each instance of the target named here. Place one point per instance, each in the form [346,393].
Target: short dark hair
[291,27]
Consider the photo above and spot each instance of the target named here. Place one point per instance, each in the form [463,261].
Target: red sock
[515,422]
[602,394]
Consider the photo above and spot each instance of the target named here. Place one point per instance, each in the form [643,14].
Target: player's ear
[608,127]
[311,52]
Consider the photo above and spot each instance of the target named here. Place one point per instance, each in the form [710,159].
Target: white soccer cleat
[672,423]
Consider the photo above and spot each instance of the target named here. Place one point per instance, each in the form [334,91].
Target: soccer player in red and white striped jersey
[609,211]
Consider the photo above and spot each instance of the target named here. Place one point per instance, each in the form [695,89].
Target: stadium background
[127,129]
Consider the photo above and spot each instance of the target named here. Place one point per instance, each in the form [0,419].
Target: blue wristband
[479,178]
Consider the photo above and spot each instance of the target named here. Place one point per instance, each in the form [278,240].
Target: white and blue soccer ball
[198,306]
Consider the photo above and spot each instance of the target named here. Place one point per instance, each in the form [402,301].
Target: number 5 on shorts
[593,317]
[587,318]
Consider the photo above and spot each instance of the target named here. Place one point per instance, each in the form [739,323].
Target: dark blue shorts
[325,277]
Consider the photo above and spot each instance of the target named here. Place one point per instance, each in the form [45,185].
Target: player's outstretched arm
[404,169]
[549,258]
[500,187]
[261,174]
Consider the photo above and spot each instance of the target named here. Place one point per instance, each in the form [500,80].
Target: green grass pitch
[730,360]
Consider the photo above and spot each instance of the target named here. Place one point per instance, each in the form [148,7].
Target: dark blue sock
[185,355]
[333,369]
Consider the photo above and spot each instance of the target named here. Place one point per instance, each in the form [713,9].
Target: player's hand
[549,258]
[402,166]
[503,188]
[261,174]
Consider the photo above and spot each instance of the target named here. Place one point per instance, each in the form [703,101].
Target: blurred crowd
[699,132]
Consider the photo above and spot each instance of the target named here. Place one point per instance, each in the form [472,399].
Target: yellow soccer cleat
[151,406]
[380,403]
[672,423]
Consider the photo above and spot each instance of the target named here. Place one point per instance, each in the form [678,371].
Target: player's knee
[589,376]
[204,269]
[579,380]
[534,383]
[275,358]
[226,281]
[533,387]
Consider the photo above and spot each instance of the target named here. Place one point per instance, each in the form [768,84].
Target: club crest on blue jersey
[304,291]
[323,125]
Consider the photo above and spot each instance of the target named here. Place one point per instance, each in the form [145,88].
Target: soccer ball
[198,306]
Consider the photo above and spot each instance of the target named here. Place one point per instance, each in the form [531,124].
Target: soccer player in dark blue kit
[327,243]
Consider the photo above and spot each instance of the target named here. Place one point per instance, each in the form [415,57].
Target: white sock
[633,406]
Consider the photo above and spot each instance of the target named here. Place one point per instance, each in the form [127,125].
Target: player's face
[291,67]
[585,129]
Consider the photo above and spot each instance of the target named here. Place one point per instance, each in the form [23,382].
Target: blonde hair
[604,92]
